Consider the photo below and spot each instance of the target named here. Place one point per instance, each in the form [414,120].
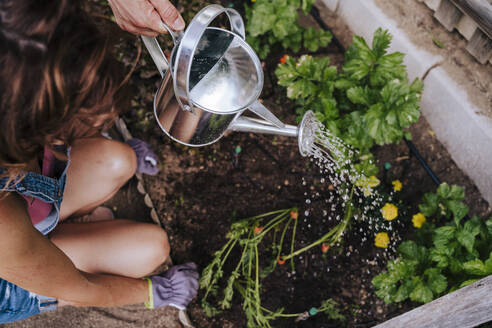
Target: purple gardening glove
[146,158]
[175,287]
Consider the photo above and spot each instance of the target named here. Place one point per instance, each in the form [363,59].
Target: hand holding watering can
[212,77]
[146,17]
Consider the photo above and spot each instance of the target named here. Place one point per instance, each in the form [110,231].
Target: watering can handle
[156,53]
[188,41]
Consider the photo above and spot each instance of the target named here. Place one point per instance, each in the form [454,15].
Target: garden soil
[200,191]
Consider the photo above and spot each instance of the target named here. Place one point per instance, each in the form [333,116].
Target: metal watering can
[212,77]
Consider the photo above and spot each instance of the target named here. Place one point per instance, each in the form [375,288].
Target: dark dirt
[199,191]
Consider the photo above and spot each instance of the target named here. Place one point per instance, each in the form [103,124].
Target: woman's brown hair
[57,79]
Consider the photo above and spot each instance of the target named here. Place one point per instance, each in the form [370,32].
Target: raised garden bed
[199,192]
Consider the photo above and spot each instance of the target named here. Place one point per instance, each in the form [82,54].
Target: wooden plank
[480,46]
[465,308]
[467,26]
[433,4]
[448,15]
[480,11]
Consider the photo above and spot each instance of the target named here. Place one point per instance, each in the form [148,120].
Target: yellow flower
[418,219]
[381,240]
[373,181]
[366,184]
[389,211]
[397,185]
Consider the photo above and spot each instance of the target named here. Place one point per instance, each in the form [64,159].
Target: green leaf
[466,238]
[429,204]
[358,96]
[404,291]
[443,190]
[475,267]
[380,42]
[488,224]
[457,193]
[357,69]
[458,209]
[389,68]
[365,52]
[473,227]
[387,294]
[409,249]
[455,266]
[421,293]
[488,264]
[438,43]
[435,280]
[417,86]
[468,282]
[381,280]
[443,235]
[306,6]
[376,126]
[344,84]
[440,258]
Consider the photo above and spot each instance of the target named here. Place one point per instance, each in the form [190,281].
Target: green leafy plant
[273,23]
[248,236]
[447,201]
[444,258]
[370,102]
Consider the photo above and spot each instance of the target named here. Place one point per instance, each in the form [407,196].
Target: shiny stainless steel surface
[235,80]
[250,124]
[214,75]
[306,135]
[156,53]
[184,53]
[197,128]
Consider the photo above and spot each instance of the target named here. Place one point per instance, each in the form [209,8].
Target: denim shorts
[17,303]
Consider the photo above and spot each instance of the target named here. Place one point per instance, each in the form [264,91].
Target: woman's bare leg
[98,168]
[120,247]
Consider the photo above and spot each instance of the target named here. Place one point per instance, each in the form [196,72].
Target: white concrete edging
[465,133]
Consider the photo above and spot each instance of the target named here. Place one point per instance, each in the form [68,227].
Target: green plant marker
[237,150]
[231,5]
[313,311]
[387,165]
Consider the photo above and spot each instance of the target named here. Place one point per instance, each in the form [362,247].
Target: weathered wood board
[465,308]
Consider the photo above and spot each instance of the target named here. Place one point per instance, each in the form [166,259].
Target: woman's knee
[116,159]
[154,248]
[120,159]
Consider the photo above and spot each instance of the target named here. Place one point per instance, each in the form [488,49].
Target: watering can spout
[304,132]
[255,125]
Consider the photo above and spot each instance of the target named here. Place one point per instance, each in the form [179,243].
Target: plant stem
[336,231]
[269,226]
[242,291]
[257,281]
[265,214]
[282,240]
[292,246]
[228,252]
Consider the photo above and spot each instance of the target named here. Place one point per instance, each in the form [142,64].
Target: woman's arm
[29,260]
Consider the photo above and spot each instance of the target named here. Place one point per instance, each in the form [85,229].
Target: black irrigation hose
[317,17]
[424,164]
[413,149]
